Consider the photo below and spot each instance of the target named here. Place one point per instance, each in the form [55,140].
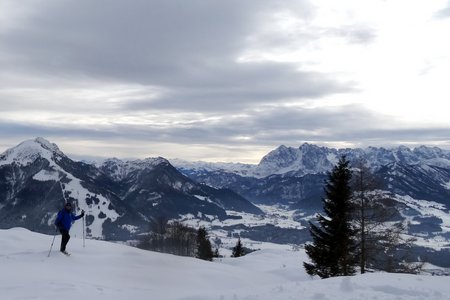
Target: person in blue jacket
[64,221]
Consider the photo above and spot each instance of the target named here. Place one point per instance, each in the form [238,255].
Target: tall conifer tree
[204,248]
[238,250]
[333,247]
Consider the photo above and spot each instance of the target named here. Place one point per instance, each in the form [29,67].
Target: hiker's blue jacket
[65,219]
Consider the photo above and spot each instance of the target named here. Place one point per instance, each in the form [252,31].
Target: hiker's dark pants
[64,239]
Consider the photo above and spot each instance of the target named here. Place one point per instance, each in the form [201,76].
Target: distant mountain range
[312,159]
[418,180]
[119,197]
[295,176]
[122,197]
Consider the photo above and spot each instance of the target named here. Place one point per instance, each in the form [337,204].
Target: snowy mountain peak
[47,145]
[152,161]
[308,158]
[119,169]
[431,152]
[29,150]
[310,147]
[279,157]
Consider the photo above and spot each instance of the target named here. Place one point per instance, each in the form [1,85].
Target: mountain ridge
[36,178]
[313,159]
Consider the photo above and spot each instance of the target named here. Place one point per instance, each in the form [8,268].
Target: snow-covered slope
[110,271]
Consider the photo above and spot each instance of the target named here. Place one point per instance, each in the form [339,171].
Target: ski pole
[51,245]
[84,245]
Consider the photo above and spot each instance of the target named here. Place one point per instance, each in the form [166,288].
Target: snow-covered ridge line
[212,166]
[120,169]
[312,159]
[306,159]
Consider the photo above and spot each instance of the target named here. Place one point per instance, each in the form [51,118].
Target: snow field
[105,270]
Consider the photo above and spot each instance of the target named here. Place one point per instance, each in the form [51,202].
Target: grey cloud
[270,124]
[298,125]
[31,130]
[231,89]
[139,41]
[345,117]
[350,124]
[189,50]
[271,127]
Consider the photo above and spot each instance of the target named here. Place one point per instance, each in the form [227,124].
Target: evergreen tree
[333,247]
[204,248]
[238,250]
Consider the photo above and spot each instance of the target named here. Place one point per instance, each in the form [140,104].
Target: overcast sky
[223,80]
